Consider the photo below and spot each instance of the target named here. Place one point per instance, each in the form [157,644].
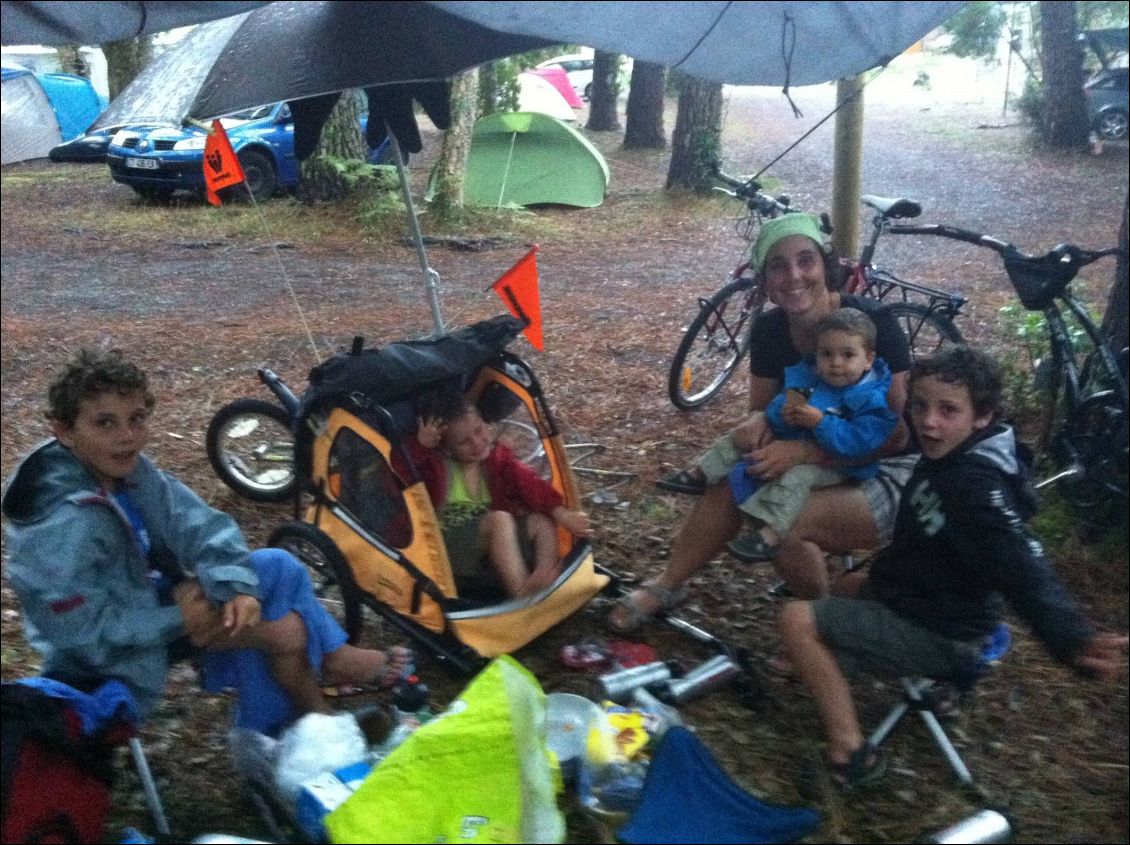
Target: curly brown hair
[91,372]
[958,364]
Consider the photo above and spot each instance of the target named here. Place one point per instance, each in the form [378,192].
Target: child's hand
[575,522]
[1103,655]
[802,416]
[429,432]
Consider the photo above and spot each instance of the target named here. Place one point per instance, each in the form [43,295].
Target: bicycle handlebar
[749,190]
[1037,279]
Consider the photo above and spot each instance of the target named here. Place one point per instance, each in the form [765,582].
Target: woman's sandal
[752,548]
[682,481]
[637,616]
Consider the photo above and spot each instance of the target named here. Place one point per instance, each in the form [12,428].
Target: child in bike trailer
[840,401]
[492,508]
[934,595]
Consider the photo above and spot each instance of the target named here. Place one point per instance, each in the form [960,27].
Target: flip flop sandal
[752,548]
[637,616]
[682,482]
[864,769]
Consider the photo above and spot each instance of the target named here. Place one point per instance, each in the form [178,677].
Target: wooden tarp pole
[848,167]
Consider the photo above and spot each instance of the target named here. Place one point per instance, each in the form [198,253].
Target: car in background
[158,161]
[578,68]
[1108,98]
[88,148]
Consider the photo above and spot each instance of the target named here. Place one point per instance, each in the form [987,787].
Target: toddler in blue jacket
[840,401]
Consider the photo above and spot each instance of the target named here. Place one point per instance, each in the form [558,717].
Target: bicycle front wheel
[926,331]
[716,340]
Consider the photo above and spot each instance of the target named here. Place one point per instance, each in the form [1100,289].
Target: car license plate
[142,163]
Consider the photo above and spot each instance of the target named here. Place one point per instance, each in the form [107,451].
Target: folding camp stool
[917,697]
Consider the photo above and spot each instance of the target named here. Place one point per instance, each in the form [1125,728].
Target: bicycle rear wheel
[716,340]
[926,331]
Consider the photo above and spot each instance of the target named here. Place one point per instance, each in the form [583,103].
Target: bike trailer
[370,535]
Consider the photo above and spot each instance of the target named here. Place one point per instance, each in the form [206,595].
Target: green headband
[785,226]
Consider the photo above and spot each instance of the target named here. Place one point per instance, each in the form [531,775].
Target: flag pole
[431,277]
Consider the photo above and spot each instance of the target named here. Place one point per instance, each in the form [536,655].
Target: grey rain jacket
[88,603]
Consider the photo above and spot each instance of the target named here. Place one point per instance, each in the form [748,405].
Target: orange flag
[221,166]
[518,288]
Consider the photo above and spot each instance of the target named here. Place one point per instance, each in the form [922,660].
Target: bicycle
[718,338]
[1087,439]
[712,345]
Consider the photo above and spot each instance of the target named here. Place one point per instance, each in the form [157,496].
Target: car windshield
[252,114]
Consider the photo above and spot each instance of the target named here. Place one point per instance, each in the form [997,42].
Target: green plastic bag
[478,772]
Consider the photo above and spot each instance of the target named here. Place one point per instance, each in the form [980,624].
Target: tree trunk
[605,90]
[319,180]
[644,119]
[452,165]
[1118,303]
[71,61]
[696,142]
[124,60]
[1065,110]
[488,88]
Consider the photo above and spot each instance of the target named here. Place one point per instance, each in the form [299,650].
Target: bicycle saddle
[896,208]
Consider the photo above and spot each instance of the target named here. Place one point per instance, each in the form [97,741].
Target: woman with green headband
[790,254]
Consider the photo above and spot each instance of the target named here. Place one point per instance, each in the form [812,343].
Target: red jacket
[514,487]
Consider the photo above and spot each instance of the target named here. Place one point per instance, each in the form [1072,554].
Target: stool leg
[943,741]
[146,778]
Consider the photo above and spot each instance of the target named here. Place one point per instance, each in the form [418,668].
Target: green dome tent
[528,158]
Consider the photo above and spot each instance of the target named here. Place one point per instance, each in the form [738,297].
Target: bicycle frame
[870,280]
[1074,378]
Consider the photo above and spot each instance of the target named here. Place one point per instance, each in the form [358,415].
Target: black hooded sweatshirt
[961,544]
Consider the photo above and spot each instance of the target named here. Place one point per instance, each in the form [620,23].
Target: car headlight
[119,138]
[195,143]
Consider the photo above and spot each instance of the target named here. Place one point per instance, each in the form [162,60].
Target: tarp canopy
[530,158]
[746,43]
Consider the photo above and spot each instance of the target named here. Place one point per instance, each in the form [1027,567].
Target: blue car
[155,162]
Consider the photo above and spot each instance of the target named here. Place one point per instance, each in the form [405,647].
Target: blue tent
[74,100]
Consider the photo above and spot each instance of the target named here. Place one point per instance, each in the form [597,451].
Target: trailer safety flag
[518,288]
[221,166]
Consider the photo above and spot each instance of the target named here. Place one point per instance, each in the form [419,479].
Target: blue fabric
[742,484]
[284,586]
[688,798]
[108,703]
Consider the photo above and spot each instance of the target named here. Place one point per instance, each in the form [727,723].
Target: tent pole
[506,172]
[431,277]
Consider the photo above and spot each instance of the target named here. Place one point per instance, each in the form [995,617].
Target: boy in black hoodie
[934,595]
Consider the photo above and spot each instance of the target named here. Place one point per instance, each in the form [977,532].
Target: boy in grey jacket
[115,562]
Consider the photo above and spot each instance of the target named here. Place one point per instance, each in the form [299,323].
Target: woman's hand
[754,433]
[429,432]
[775,459]
[575,522]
